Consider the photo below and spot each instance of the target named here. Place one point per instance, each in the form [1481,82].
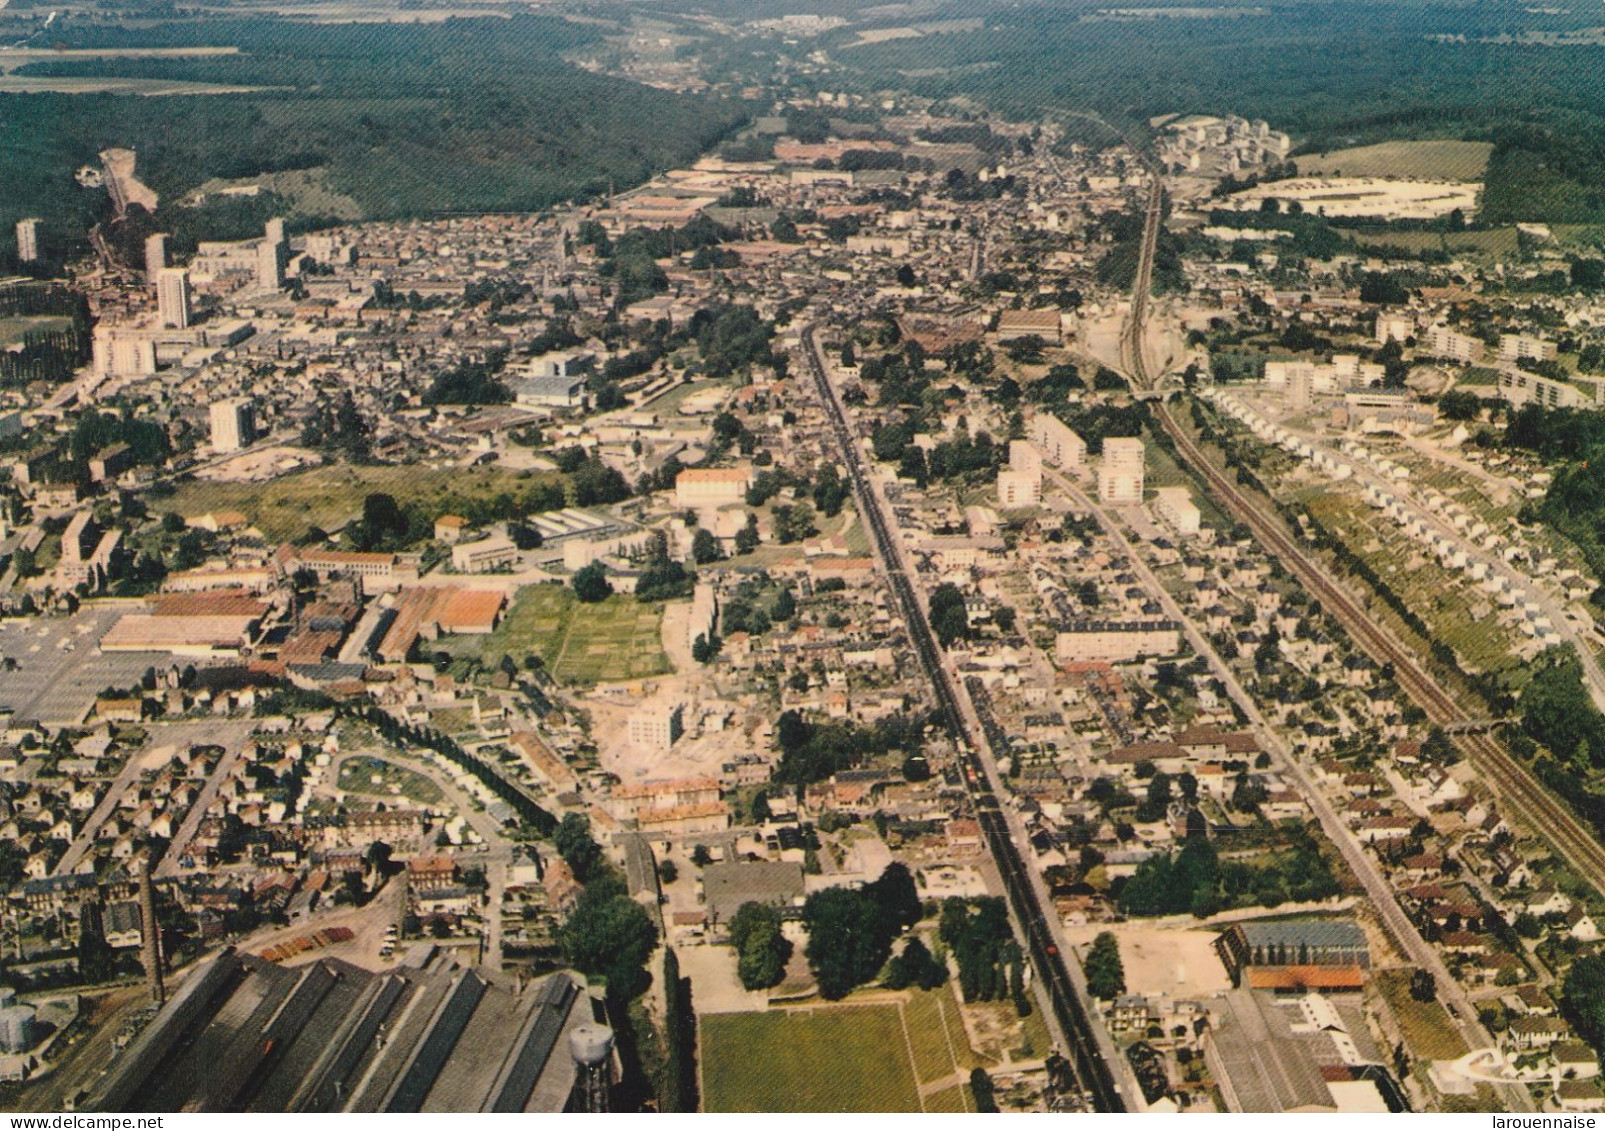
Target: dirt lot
[1168,960]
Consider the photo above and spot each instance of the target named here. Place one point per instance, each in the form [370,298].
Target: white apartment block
[1395,327]
[1454,346]
[1019,488]
[1350,370]
[1120,474]
[1023,456]
[27,240]
[484,556]
[656,725]
[1113,642]
[1520,387]
[1524,347]
[1175,507]
[233,424]
[1300,386]
[155,256]
[270,265]
[704,611]
[173,298]
[1056,442]
[1308,375]
[711,486]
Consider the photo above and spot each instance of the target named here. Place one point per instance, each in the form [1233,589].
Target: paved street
[1360,862]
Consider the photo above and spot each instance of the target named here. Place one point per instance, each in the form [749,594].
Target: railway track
[1530,800]
[1131,343]
[1067,999]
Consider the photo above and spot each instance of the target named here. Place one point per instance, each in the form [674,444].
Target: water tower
[592,1049]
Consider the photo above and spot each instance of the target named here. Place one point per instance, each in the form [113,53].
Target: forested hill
[405,120]
[1331,72]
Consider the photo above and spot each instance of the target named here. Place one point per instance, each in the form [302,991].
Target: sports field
[852,1058]
[1420,160]
[613,640]
[911,1053]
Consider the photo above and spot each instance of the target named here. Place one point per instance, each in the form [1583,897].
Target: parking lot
[59,667]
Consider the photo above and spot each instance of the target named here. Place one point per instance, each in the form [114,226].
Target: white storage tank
[16,1028]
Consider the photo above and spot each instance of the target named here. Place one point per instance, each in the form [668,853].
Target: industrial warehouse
[245,1034]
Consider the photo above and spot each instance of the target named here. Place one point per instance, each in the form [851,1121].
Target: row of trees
[50,353]
[991,965]
[1195,880]
[608,933]
[851,930]
[812,752]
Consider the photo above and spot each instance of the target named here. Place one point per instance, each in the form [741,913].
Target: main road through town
[1102,1072]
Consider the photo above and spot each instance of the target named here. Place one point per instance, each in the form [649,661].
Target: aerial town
[909,579]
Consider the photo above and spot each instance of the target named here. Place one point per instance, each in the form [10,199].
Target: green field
[307,191]
[853,1058]
[956,1099]
[770,555]
[326,497]
[617,639]
[1494,241]
[1426,1025]
[1497,242]
[936,1034]
[357,775]
[1422,160]
[12,330]
[1456,612]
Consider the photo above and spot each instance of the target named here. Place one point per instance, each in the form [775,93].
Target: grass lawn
[1038,1041]
[853,1058]
[1164,471]
[378,778]
[1404,241]
[328,496]
[1426,1025]
[14,329]
[1494,241]
[855,535]
[937,1035]
[1577,235]
[954,1099]
[616,639]
[1424,160]
[770,555]
[1453,610]
[667,405]
[307,190]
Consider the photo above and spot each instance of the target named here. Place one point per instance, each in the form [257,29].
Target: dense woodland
[408,120]
[1331,72]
